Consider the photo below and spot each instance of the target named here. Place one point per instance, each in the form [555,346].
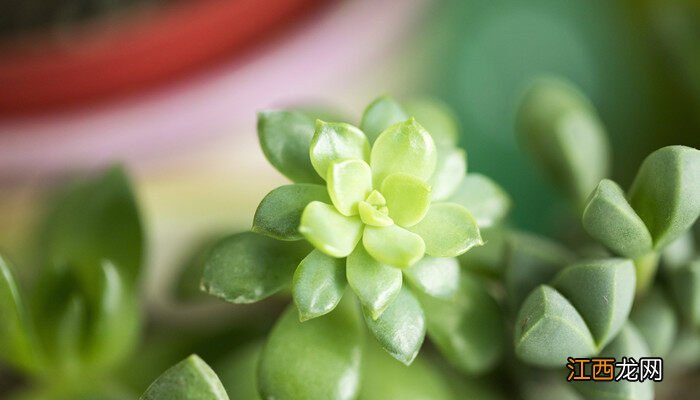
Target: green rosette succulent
[384,209]
[374,206]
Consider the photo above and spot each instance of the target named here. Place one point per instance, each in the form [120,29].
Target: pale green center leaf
[349,182]
[450,170]
[371,215]
[405,147]
[374,283]
[335,141]
[448,230]
[401,328]
[330,231]
[393,245]
[407,198]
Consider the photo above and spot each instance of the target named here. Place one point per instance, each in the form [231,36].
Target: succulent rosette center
[381,198]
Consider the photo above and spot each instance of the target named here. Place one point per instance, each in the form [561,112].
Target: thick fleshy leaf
[374,283]
[318,285]
[485,200]
[407,198]
[450,169]
[628,343]
[437,277]
[379,115]
[467,329]
[94,221]
[657,322]
[436,117]
[602,291]
[385,378]
[316,359]
[406,148]
[336,141]
[349,182]
[285,138]
[549,329]
[330,231]
[247,267]
[565,135]
[191,379]
[685,284]
[531,261]
[393,245]
[18,345]
[609,219]
[115,326]
[448,230]
[371,215]
[666,194]
[401,328]
[279,213]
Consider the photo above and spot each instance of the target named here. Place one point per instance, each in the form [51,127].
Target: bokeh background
[170,89]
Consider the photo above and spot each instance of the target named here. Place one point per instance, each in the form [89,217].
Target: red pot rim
[103,60]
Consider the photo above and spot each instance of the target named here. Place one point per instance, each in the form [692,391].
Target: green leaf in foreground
[16,335]
[319,283]
[191,379]
[666,194]
[405,148]
[247,267]
[330,231]
[336,141]
[448,230]
[374,283]
[285,137]
[602,291]
[316,359]
[401,328]
[609,219]
[279,213]
[549,329]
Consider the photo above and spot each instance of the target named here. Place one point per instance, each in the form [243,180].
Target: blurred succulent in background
[384,209]
[82,317]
